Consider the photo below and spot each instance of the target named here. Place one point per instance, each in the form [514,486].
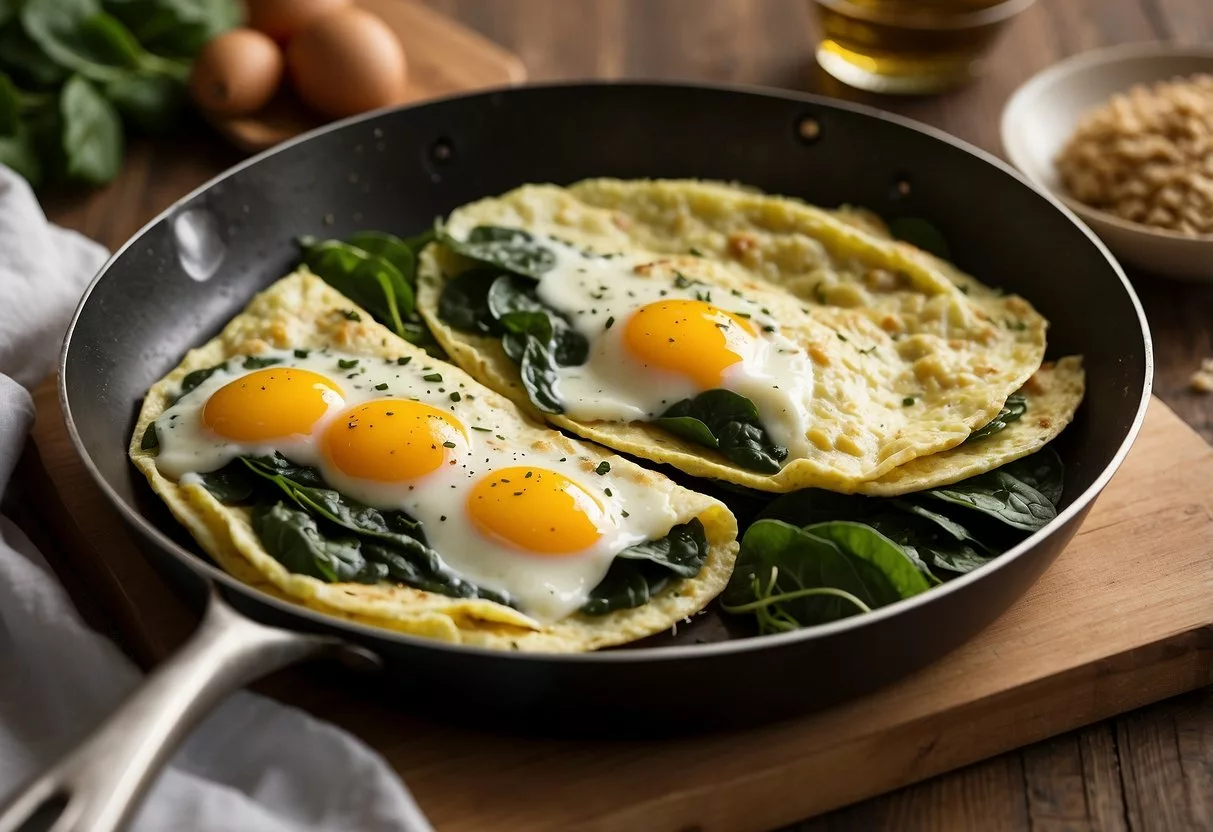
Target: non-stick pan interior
[180,280]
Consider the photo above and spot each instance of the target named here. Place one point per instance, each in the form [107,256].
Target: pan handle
[97,786]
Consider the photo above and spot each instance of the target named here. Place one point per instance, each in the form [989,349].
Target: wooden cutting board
[1123,618]
[443,57]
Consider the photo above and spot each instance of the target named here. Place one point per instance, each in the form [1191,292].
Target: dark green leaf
[78,35]
[25,61]
[152,102]
[8,10]
[999,495]
[682,551]
[10,106]
[512,249]
[150,441]
[1043,471]
[391,248]
[628,584]
[255,362]
[196,378]
[954,529]
[233,484]
[92,133]
[512,302]
[864,542]
[464,302]
[539,374]
[293,539]
[418,242]
[420,567]
[733,422]
[19,152]
[918,232]
[367,279]
[1012,411]
[777,558]
[176,28]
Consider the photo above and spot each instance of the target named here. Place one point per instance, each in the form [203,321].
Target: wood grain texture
[1150,770]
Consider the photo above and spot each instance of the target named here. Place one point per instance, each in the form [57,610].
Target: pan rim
[216,575]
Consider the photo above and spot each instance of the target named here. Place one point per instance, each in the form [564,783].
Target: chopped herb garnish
[347,363]
[254,362]
[696,252]
[868,351]
[482,430]
[432,377]
[448,444]
[841,337]
[607,492]
[301,353]
[404,359]
[907,401]
[351,315]
[768,328]
[603,468]
[381,386]
[455,397]
[610,322]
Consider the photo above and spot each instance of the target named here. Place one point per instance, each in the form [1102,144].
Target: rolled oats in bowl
[1147,156]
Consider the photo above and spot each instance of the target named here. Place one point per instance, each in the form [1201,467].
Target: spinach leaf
[10,106]
[150,101]
[175,27]
[422,568]
[641,571]
[367,279]
[513,304]
[1042,470]
[954,529]
[864,542]
[511,249]
[391,248]
[92,132]
[192,380]
[80,36]
[22,58]
[1016,405]
[292,537]
[732,422]
[19,151]
[464,302]
[790,578]
[232,485]
[256,362]
[816,505]
[8,10]
[305,488]
[539,371]
[1000,495]
[918,232]
[628,583]
[150,441]
[418,242]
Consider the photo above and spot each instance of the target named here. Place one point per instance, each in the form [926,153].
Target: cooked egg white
[656,340]
[523,520]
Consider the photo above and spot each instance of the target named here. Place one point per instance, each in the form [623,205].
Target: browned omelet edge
[301,311]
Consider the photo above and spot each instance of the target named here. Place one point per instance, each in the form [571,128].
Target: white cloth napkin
[253,765]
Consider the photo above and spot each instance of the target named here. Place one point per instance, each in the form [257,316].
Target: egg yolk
[688,337]
[536,509]
[389,440]
[272,403]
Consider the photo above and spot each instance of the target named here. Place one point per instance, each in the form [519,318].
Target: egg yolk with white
[390,440]
[272,403]
[535,509]
[690,337]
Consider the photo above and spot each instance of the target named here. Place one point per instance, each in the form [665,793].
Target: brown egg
[283,19]
[347,62]
[236,73]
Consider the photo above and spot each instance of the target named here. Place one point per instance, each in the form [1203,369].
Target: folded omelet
[540,519]
[871,355]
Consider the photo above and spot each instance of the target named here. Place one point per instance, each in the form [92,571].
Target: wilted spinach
[368,280]
[1000,495]
[293,539]
[730,423]
[150,441]
[511,249]
[640,571]
[1015,407]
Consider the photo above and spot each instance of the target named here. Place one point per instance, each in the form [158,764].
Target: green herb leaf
[256,362]
[733,423]
[233,484]
[152,102]
[391,248]
[176,28]
[512,249]
[196,378]
[150,441]
[25,61]
[1043,471]
[641,571]
[80,36]
[367,279]
[539,371]
[1015,407]
[293,539]
[861,541]
[92,133]
[464,302]
[1000,495]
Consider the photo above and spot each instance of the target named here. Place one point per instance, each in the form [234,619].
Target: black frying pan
[190,270]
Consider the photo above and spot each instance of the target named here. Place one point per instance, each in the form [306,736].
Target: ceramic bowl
[1041,115]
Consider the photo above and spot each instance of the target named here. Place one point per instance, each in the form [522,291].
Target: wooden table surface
[1148,770]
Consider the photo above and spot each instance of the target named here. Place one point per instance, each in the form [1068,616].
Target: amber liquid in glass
[908,46]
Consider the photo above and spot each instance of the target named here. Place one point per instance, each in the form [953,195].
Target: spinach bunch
[788,577]
[498,298]
[377,271]
[73,71]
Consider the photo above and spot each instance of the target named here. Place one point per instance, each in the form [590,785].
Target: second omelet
[733,335]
